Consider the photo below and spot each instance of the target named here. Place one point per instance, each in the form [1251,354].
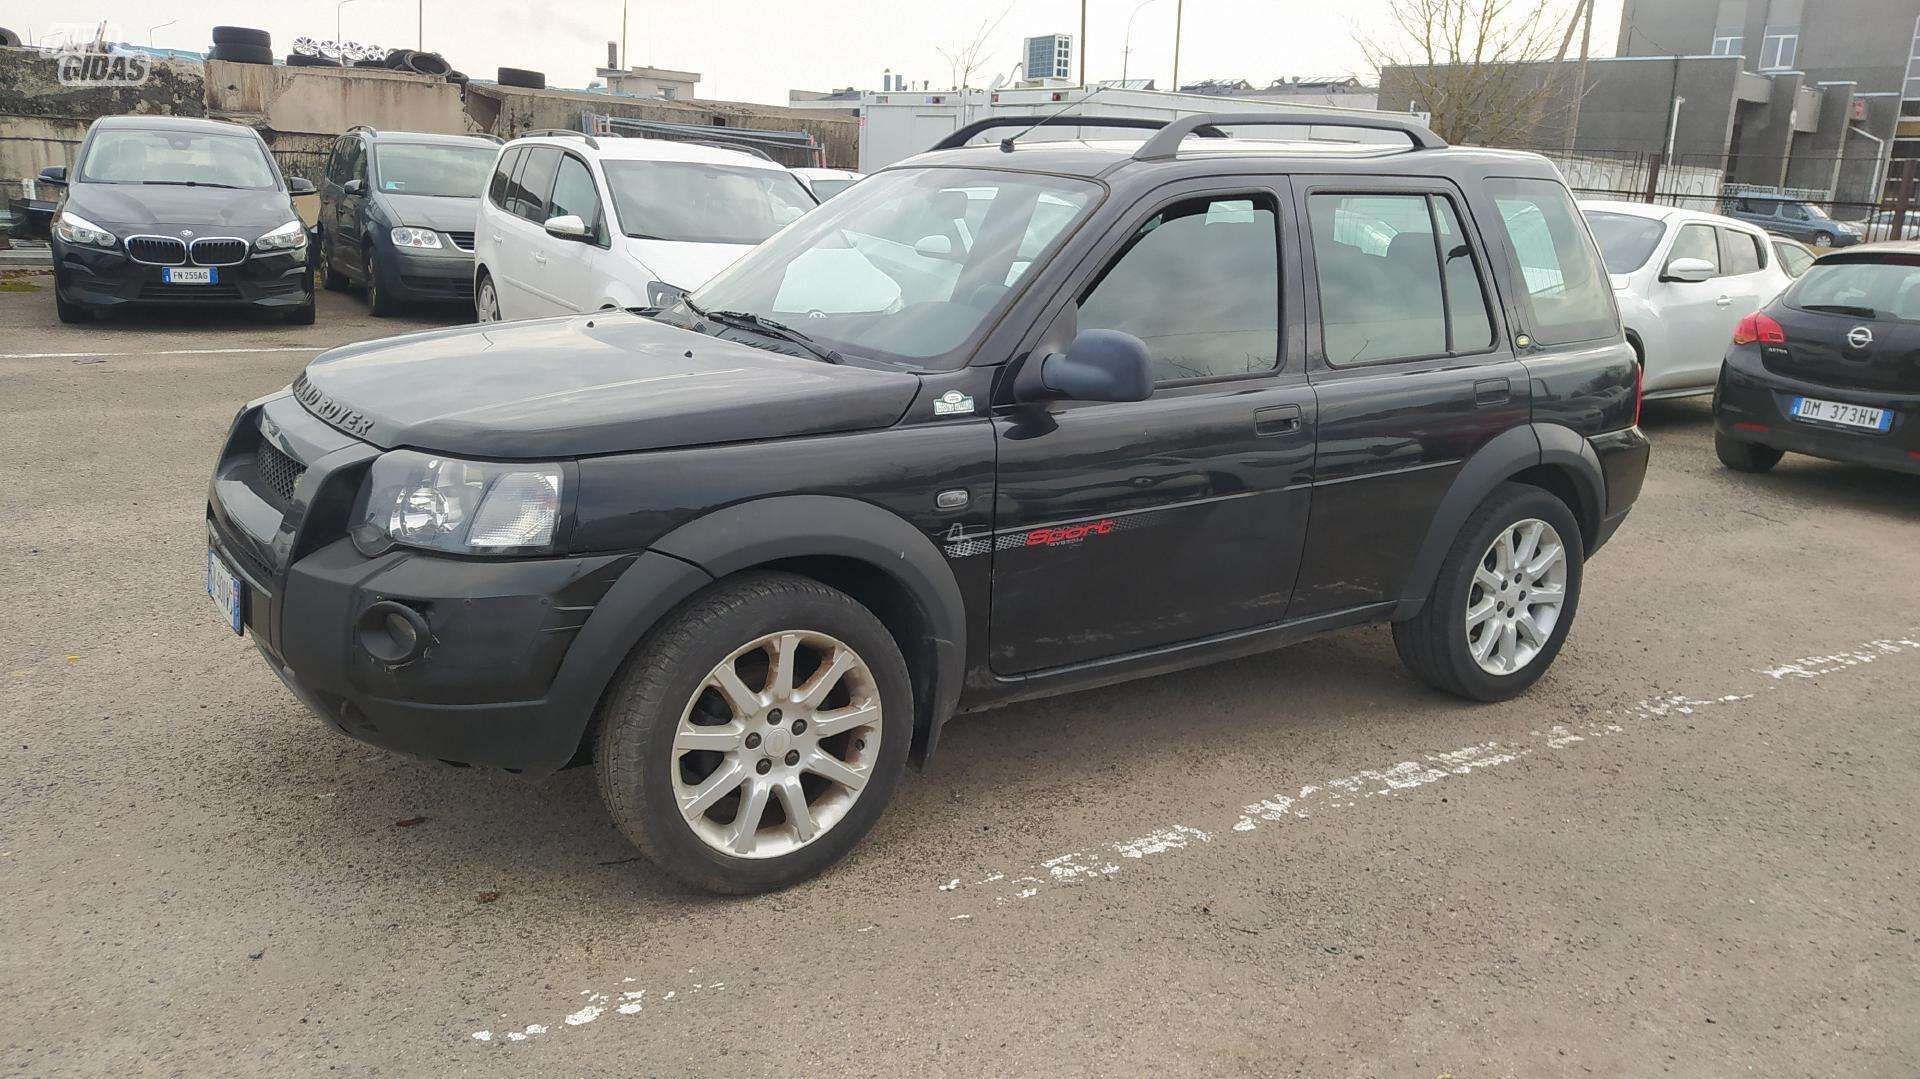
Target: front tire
[1503,601]
[330,278]
[1745,456]
[380,301]
[1823,239]
[752,739]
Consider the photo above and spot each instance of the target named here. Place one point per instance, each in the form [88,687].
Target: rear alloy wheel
[486,301]
[1503,600]
[1745,456]
[756,737]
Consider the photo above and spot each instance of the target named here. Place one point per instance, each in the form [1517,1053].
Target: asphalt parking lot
[1690,850]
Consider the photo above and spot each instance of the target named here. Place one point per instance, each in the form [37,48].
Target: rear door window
[1378,260]
[1740,252]
[1567,296]
[534,183]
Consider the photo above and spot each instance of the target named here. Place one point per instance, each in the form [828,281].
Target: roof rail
[960,137]
[1165,145]
[559,133]
[490,137]
[722,145]
[368,128]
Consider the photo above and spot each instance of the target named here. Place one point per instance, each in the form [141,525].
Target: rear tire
[1438,645]
[486,299]
[1823,239]
[745,838]
[1745,456]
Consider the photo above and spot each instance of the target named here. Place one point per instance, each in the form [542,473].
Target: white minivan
[574,223]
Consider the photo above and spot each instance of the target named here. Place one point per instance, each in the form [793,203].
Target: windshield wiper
[188,183]
[1840,309]
[747,320]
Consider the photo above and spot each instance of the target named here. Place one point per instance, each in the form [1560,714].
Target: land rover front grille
[277,472]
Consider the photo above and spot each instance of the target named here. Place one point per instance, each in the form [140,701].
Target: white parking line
[162,352]
[1342,792]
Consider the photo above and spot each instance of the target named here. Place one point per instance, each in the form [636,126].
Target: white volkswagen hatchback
[1684,279]
[575,223]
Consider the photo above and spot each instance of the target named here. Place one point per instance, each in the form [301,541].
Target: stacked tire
[242,45]
[526,80]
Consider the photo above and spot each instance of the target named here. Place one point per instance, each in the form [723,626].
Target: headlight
[75,229]
[462,507]
[291,236]
[408,236]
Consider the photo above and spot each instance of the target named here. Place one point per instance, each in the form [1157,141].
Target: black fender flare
[765,530]
[1506,455]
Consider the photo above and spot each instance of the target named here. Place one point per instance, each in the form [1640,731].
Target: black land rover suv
[998,422]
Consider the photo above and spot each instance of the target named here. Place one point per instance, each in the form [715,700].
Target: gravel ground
[1690,850]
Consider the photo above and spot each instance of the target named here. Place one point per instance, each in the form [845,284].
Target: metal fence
[1701,182]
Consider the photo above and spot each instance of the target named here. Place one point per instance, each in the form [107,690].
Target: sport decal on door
[962,544]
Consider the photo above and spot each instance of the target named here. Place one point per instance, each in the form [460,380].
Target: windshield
[907,265]
[418,168]
[205,158]
[696,202]
[1863,289]
[1625,240]
[827,189]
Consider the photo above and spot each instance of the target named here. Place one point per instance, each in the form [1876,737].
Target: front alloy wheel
[762,772]
[755,736]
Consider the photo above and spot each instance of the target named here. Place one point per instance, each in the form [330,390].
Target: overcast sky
[756,50]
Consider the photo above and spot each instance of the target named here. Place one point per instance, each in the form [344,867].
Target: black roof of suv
[991,425]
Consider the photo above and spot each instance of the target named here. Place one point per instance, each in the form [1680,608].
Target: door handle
[539,258]
[1492,391]
[1276,420]
[1724,301]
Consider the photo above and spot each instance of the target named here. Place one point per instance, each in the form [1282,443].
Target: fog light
[393,633]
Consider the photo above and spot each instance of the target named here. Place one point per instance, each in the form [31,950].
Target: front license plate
[1869,419]
[228,591]
[190,275]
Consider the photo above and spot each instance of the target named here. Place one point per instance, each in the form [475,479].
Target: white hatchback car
[574,223]
[1684,279]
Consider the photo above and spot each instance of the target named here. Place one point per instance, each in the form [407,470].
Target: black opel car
[996,423]
[173,211]
[1830,368]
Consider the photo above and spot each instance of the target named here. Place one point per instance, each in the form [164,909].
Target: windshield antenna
[1006,144]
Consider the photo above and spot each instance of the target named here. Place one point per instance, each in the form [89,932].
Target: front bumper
[1751,405]
[106,279]
[425,275]
[506,680]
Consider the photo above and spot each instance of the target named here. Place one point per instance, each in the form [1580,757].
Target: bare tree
[967,58]
[1485,70]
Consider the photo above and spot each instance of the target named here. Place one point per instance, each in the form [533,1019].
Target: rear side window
[1740,252]
[527,194]
[1379,262]
[1567,296]
[1199,282]
[502,176]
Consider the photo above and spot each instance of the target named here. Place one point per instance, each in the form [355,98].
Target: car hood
[683,263]
[133,208]
[433,212]
[586,385]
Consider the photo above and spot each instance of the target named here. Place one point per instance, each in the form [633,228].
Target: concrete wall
[42,122]
[506,111]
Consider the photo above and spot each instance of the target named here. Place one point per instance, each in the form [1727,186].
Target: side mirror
[54,174]
[934,247]
[1099,365]
[568,227]
[1687,269]
[300,185]
[355,186]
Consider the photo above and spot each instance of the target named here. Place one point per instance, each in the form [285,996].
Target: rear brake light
[1759,327]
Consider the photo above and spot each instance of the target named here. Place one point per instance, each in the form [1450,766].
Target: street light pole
[336,19]
[1083,43]
[1179,11]
[1126,50]
[420,26]
[162,26]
